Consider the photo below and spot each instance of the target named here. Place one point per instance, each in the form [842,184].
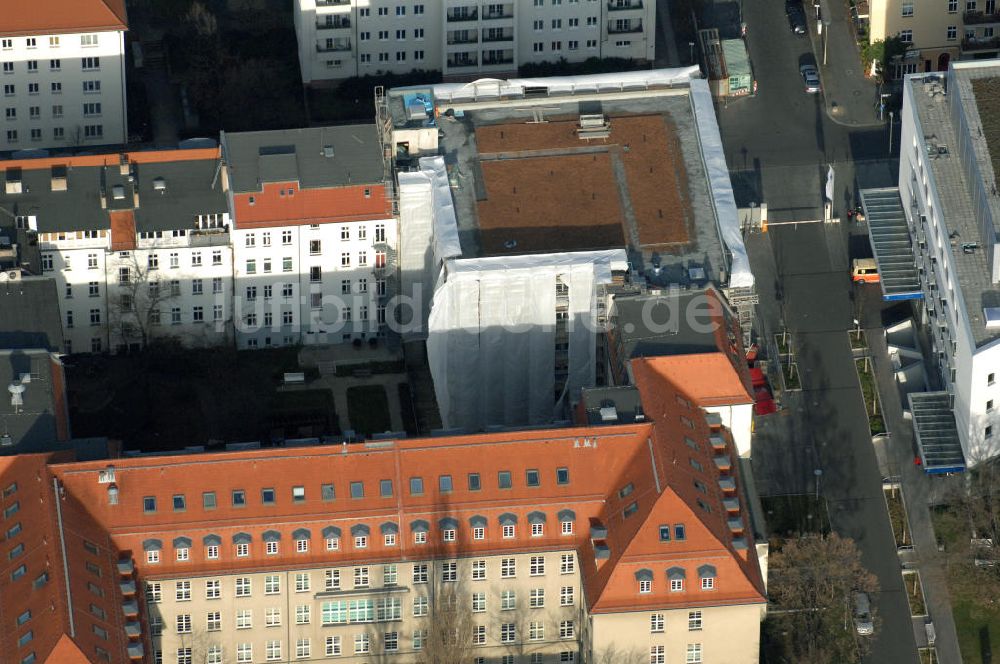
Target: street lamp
[890,132]
[881,105]
[818,473]
[691,46]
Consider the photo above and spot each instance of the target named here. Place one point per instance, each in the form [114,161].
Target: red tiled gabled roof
[286,204]
[113,158]
[708,379]
[66,652]
[61,16]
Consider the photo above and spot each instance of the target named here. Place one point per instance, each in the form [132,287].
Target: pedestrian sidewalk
[850,98]
[919,491]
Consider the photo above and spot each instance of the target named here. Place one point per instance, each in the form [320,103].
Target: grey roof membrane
[255,157]
[654,325]
[29,315]
[32,426]
[189,192]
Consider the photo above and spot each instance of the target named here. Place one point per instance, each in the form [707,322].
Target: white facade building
[63,77]
[465,39]
[138,244]
[314,237]
[945,178]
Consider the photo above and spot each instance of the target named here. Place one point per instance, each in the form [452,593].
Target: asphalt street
[779,145]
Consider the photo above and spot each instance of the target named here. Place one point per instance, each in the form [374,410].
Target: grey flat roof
[702,250]
[971,270]
[890,240]
[29,316]
[255,157]
[33,426]
[634,316]
[625,399]
[76,209]
[936,432]
[189,192]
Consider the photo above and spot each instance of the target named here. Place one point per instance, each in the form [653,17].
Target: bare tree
[134,309]
[812,583]
[449,632]
[613,654]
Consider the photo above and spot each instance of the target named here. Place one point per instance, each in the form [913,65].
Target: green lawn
[368,409]
[977,625]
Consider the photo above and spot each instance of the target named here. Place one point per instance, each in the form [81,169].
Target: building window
[694,621]
[183,622]
[243,586]
[567,564]
[537,566]
[676,585]
[693,653]
[952,33]
[449,571]
[907,9]
[244,619]
[657,655]
[508,568]
[906,36]
[567,629]
[507,633]
[213,588]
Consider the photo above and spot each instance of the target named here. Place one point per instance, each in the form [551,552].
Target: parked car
[863,614]
[811,78]
[796,19]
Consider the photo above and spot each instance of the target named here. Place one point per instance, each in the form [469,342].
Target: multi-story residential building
[946,203]
[342,38]
[138,244]
[63,74]
[314,237]
[937,32]
[577,544]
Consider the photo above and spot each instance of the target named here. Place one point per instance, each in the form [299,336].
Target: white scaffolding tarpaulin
[492,335]
[717,171]
[492,88]
[429,235]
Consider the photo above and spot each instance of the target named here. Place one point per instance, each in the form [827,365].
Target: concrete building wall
[330,273]
[729,634]
[466,38]
[65,90]
[739,420]
[87,276]
[298,614]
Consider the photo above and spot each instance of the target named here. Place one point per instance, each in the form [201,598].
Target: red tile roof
[709,379]
[630,480]
[287,204]
[60,16]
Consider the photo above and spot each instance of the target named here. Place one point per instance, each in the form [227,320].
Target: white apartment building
[948,203]
[138,244]
[465,39]
[63,75]
[314,238]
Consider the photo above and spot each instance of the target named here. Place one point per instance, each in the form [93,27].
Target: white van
[863,614]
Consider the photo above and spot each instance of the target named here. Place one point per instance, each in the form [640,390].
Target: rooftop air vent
[118,192]
[593,126]
[328,151]
[609,414]
[160,185]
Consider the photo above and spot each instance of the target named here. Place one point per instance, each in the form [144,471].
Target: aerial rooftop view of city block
[508,332]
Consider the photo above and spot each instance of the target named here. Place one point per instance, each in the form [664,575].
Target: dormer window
[420,537]
[361,542]
[332,543]
[707,575]
[152,557]
[508,532]
[448,535]
[645,586]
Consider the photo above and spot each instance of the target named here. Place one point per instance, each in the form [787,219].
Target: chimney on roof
[118,192]
[328,151]
[123,165]
[160,185]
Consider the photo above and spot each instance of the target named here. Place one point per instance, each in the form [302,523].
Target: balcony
[498,36]
[338,23]
[505,12]
[498,61]
[463,62]
[470,38]
[624,27]
[332,48]
[978,18]
[981,44]
[623,6]
[332,3]
[459,16]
